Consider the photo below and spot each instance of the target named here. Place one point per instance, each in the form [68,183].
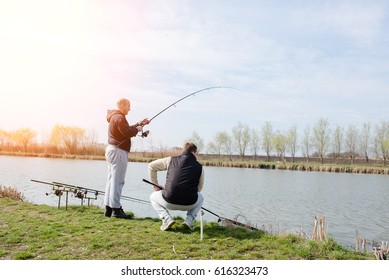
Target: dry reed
[11,193]
[382,252]
[319,229]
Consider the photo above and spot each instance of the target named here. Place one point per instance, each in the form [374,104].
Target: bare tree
[321,134]
[217,145]
[255,142]
[381,141]
[23,137]
[352,141]
[68,137]
[266,138]
[4,139]
[241,137]
[291,141]
[337,142]
[365,140]
[211,148]
[222,144]
[227,143]
[279,144]
[197,140]
[306,143]
[90,144]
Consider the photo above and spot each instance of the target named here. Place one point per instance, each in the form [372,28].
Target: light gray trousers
[117,166]
[162,206]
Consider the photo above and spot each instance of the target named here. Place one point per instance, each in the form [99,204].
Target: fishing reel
[144,134]
[57,192]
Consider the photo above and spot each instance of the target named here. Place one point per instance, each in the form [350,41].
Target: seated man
[184,181]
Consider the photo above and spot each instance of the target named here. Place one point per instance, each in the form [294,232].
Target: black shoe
[119,213]
[108,211]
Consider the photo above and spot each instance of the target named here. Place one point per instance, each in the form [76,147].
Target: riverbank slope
[30,231]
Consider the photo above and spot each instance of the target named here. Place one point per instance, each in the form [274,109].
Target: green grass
[29,231]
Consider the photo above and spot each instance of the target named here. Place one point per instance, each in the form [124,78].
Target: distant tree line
[62,140]
[320,141]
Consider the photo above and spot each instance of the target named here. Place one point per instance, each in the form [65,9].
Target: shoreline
[305,167]
[235,163]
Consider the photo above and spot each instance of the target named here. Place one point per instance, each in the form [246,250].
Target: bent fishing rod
[146,133]
[220,218]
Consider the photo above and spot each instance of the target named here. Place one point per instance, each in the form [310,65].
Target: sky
[290,63]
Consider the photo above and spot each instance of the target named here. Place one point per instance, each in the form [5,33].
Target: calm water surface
[278,201]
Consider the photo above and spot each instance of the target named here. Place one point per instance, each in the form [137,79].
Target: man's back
[182,179]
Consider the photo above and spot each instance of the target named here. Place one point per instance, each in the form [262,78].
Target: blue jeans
[117,166]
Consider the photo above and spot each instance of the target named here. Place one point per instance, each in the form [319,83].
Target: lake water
[276,200]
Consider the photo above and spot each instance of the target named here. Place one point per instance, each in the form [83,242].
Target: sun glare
[40,42]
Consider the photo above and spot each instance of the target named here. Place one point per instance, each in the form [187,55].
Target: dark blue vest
[182,180]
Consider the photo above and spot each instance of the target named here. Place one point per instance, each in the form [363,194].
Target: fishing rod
[60,189]
[220,218]
[146,133]
[103,193]
[80,192]
[193,93]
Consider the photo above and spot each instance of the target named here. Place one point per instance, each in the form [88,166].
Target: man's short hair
[190,147]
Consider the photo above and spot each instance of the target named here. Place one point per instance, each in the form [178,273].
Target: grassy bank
[29,231]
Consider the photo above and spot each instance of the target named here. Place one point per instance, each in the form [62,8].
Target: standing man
[116,154]
[184,181]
